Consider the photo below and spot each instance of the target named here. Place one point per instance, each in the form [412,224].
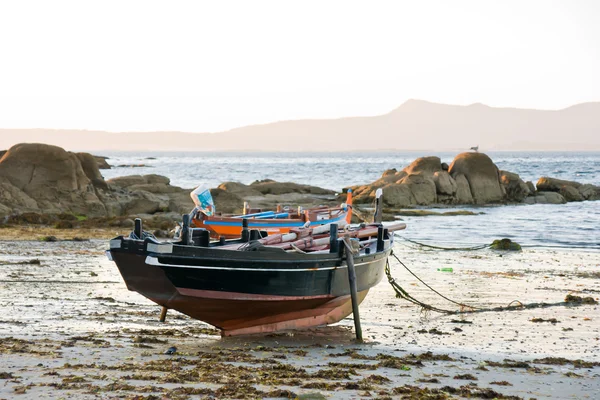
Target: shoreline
[80,313]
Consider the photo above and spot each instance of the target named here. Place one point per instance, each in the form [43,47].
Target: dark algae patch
[468,377]
[580,300]
[448,392]
[565,361]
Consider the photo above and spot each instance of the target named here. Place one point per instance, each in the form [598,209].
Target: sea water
[564,225]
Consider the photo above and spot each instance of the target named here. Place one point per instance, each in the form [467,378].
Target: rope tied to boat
[464,308]
[145,235]
[253,245]
[473,248]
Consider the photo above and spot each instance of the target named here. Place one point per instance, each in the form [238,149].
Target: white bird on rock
[476,148]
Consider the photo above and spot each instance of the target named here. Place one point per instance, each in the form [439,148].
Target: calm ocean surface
[571,225]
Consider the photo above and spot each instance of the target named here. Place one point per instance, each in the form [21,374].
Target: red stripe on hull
[213,294]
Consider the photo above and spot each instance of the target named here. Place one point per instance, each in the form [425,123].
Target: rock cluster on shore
[43,180]
[472,178]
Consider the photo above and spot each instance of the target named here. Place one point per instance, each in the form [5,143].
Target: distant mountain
[415,125]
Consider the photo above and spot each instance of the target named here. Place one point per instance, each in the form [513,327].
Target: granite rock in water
[482,175]
[472,178]
[589,192]
[570,193]
[514,187]
[545,198]
[547,184]
[444,183]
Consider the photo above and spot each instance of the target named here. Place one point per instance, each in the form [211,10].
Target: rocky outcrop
[589,192]
[463,190]
[482,175]
[422,188]
[444,183]
[227,202]
[230,196]
[516,190]
[545,198]
[546,184]
[239,189]
[571,191]
[39,179]
[269,186]
[45,179]
[418,184]
[101,162]
[472,178]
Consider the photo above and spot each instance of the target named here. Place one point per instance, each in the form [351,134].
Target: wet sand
[70,329]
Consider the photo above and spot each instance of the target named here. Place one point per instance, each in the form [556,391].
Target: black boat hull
[243,292]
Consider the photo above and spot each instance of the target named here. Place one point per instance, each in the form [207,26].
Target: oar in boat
[312,241]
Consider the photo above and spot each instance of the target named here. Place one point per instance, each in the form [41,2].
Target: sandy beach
[70,329]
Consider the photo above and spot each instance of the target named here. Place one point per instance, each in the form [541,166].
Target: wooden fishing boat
[278,221]
[280,282]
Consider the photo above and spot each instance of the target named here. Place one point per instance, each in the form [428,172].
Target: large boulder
[14,198]
[571,194]
[425,166]
[35,167]
[589,192]
[397,196]
[444,183]
[50,176]
[547,184]
[126,181]
[419,177]
[482,175]
[422,187]
[227,202]
[516,190]
[101,162]
[570,190]
[239,189]
[142,202]
[90,168]
[463,190]
[133,180]
[545,198]
[531,187]
[269,186]
[366,193]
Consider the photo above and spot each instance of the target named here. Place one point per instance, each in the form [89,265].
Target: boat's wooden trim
[215,294]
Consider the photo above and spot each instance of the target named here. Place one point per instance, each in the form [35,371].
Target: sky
[205,66]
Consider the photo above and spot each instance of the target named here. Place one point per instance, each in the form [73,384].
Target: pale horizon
[203,67]
[414,125]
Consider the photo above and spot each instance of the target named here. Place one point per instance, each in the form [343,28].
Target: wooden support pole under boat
[353,292]
[163,314]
